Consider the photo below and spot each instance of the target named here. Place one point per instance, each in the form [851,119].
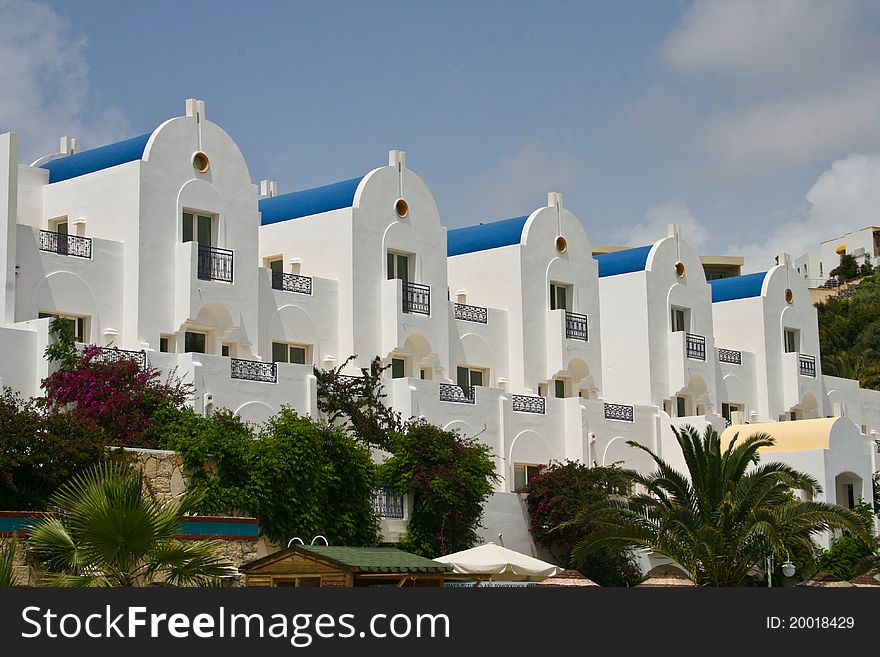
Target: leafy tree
[450,478]
[848,551]
[117,396]
[40,451]
[111,531]
[300,478]
[7,565]
[848,268]
[357,403]
[556,495]
[725,516]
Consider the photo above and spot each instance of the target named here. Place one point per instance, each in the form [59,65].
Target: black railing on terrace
[64,244]
[620,412]
[416,298]
[254,370]
[528,404]
[730,356]
[468,313]
[291,282]
[449,392]
[576,326]
[215,264]
[388,502]
[807,365]
[114,355]
[695,346]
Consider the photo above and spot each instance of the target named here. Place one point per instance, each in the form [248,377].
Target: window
[792,341]
[728,410]
[199,226]
[820,270]
[299,582]
[679,319]
[227,349]
[523,474]
[398,368]
[77,324]
[559,388]
[195,342]
[424,374]
[559,296]
[276,265]
[398,266]
[680,407]
[850,496]
[282,352]
[166,343]
[468,376]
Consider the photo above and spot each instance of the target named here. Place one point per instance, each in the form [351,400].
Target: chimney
[69,146]
[196,108]
[554,199]
[397,159]
[268,188]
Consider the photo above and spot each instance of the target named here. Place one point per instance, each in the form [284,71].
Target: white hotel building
[510,330]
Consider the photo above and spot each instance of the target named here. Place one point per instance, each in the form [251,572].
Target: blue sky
[754,124]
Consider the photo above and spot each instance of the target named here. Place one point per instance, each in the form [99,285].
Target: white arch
[255,412]
[529,447]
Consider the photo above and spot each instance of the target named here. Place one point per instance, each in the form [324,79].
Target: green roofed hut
[340,566]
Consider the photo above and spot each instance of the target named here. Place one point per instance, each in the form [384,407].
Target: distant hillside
[849,334]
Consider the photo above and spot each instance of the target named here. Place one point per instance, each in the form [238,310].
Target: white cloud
[769,87]
[519,182]
[760,42]
[845,197]
[44,82]
[655,226]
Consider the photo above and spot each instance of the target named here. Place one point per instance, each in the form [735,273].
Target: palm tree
[7,563]
[109,530]
[861,365]
[722,519]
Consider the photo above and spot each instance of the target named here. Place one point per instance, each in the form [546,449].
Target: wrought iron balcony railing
[254,370]
[807,365]
[416,298]
[64,244]
[291,282]
[620,412]
[114,355]
[576,326]
[449,392]
[215,264]
[388,502]
[528,404]
[468,313]
[695,346]
[730,356]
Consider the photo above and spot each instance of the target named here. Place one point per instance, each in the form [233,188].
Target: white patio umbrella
[490,561]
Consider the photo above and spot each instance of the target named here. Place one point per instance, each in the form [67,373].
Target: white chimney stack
[268,188]
[69,145]
[554,199]
[196,108]
[397,159]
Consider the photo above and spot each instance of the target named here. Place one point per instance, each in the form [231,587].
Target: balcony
[214,264]
[576,326]
[528,404]
[416,298]
[64,244]
[468,313]
[291,283]
[254,370]
[459,394]
[388,503]
[807,365]
[730,356]
[695,346]
[113,355]
[619,412]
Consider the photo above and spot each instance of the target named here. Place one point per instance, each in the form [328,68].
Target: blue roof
[737,287]
[623,262]
[309,201]
[485,236]
[96,159]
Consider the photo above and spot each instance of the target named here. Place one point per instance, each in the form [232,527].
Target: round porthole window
[401,207]
[789,295]
[679,269]
[200,161]
[561,244]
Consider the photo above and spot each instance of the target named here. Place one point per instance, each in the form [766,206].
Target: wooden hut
[328,566]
